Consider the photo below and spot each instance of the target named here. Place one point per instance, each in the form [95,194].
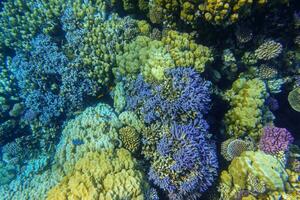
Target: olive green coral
[246,98]
[103,175]
[294,99]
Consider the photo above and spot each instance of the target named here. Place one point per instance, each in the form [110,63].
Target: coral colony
[149,100]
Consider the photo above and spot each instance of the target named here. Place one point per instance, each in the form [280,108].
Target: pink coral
[275,139]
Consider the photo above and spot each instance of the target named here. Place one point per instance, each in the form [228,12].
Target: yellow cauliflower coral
[109,175]
[246,99]
[186,52]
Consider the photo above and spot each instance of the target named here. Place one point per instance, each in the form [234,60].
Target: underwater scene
[149,100]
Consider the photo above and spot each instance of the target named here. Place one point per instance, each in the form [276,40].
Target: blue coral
[184,96]
[193,165]
[49,86]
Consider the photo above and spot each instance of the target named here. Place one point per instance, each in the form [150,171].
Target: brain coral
[130,138]
[268,50]
[105,175]
[96,128]
[256,172]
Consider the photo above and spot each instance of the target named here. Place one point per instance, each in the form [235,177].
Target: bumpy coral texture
[246,99]
[275,139]
[107,175]
[257,172]
[96,128]
[184,163]
[183,97]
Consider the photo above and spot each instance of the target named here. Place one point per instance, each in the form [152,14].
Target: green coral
[246,98]
[232,148]
[95,128]
[294,99]
[256,172]
[7,173]
[186,52]
[153,57]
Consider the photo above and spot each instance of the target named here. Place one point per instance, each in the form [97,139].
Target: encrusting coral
[107,175]
[257,172]
[268,50]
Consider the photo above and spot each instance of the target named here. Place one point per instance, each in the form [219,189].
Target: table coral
[246,99]
[96,127]
[103,175]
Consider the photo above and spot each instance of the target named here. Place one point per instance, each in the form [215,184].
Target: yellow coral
[267,175]
[246,99]
[95,129]
[186,52]
[109,175]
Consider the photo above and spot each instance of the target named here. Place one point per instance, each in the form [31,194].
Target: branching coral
[183,163]
[246,99]
[130,138]
[183,97]
[47,85]
[96,127]
[103,175]
[275,140]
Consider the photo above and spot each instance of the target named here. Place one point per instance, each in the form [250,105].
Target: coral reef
[182,98]
[246,98]
[275,139]
[96,127]
[102,175]
[294,99]
[268,50]
[184,162]
[47,85]
[232,148]
[256,172]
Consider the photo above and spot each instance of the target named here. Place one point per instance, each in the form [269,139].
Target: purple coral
[275,139]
